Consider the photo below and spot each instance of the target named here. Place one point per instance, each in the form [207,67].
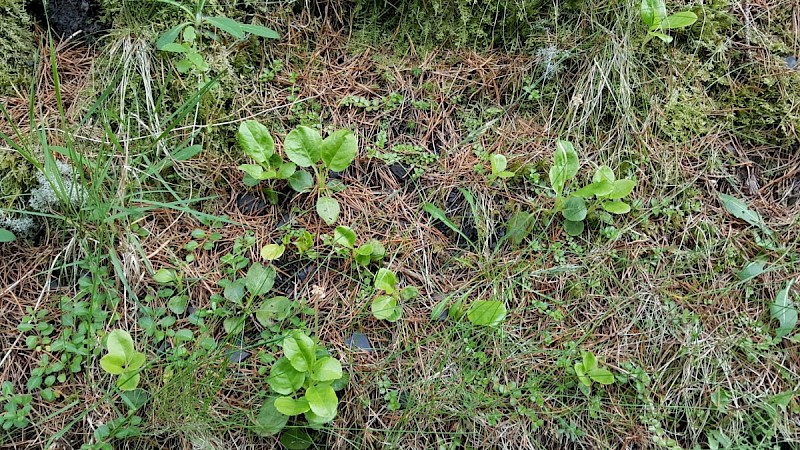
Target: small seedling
[257,143]
[654,15]
[122,359]
[344,238]
[305,366]
[387,305]
[588,371]
[499,164]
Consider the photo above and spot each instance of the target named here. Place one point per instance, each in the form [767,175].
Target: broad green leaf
[653,12]
[233,324]
[784,312]
[505,174]
[565,165]
[341,382]
[499,164]
[603,173]
[339,150]
[751,270]
[273,309]
[598,188]
[489,313]
[438,310]
[327,369]
[6,236]
[519,226]
[678,20]
[284,378]
[616,207]
[255,140]
[182,335]
[228,25]
[303,146]
[259,279]
[345,236]
[178,304]
[269,420]
[384,307]
[187,153]
[255,171]
[120,343]
[300,350]
[574,209]
[409,292]
[234,291]
[290,406]
[602,376]
[301,181]
[328,209]
[621,189]
[136,398]
[137,360]
[286,170]
[386,280]
[259,30]
[589,361]
[585,380]
[740,210]
[164,276]
[174,47]
[128,381]
[296,438]
[316,420]
[574,228]
[112,363]
[322,399]
[271,252]
[170,35]
[378,250]
[664,37]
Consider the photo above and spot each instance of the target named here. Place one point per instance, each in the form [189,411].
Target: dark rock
[359,341]
[251,205]
[70,17]
[791,62]
[238,356]
[400,172]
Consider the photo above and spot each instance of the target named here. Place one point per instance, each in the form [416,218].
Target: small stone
[359,341]
[251,205]
[238,356]
[791,62]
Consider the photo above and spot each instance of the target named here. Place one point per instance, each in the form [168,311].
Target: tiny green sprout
[122,359]
[257,144]
[499,164]
[386,306]
[654,15]
[588,371]
[371,251]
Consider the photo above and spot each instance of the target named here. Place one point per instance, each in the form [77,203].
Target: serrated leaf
[328,209]
[300,350]
[327,369]
[303,146]
[339,150]
[284,378]
[574,209]
[489,313]
[784,312]
[322,399]
[290,406]
[256,141]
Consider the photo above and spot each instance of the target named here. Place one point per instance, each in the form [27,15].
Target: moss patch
[17,48]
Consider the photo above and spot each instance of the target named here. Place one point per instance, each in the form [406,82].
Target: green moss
[17,47]
[16,177]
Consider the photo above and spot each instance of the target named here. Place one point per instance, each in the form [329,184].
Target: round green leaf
[286,170]
[283,378]
[271,252]
[6,236]
[573,228]
[112,363]
[301,181]
[164,276]
[269,420]
[345,236]
[128,381]
[137,360]
[604,173]
[386,280]
[487,313]
[259,279]
[296,438]
[499,163]
[290,406]
[120,343]
[300,349]
[322,399]
[574,209]
[616,207]
[327,369]
[621,189]
[273,309]
[178,304]
[255,140]
[328,209]
[582,375]
[383,307]
[302,146]
[589,361]
[339,150]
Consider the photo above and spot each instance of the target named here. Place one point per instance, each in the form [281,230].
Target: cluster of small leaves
[123,359]
[390,102]
[306,149]
[588,371]
[654,15]
[386,306]
[344,238]
[240,294]
[415,158]
[16,408]
[605,187]
[306,377]
[196,27]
